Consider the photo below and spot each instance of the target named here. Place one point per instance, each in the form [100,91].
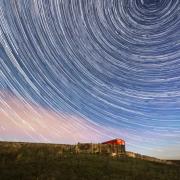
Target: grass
[39,162]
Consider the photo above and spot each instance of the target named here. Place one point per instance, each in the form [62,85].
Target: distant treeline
[148,158]
[77,148]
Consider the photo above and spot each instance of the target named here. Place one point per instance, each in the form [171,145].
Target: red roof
[115,141]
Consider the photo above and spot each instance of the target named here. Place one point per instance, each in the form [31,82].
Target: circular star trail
[114,63]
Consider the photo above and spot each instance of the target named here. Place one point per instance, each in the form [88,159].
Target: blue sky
[111,67]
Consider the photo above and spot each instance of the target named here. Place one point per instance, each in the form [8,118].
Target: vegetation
[38,161]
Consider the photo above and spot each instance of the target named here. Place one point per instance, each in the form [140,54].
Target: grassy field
[45,162]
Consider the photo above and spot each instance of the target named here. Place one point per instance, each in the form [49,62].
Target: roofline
[115,139]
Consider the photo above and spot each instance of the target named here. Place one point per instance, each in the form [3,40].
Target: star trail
[91,70]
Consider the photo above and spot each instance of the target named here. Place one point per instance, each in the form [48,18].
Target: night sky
[91,70]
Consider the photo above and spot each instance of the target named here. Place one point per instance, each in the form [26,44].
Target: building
[118,143]
[115,142]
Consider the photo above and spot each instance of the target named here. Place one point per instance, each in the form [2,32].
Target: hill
[28,161]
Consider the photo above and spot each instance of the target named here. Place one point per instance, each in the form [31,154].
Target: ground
[46,162]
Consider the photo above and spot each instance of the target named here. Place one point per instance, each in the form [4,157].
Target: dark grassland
[40,161]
